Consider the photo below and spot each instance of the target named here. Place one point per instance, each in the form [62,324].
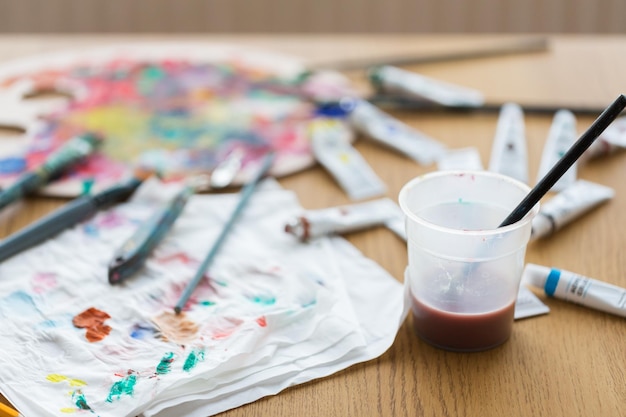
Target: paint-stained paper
[271,313]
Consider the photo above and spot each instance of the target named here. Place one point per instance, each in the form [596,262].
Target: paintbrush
[246,193]
[59,161]
[132,255]
[566,161]
[513,46]
[68,215]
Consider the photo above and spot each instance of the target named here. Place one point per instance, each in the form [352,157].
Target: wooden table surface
[571,362]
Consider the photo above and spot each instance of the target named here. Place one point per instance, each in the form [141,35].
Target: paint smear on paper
[192,360]
[125,386]
[175,327]
[18,303]
[56,378]
[142,331]
[93,320]
[165,366]
[43,282]
[79,399]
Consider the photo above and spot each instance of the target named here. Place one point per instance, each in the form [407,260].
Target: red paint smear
[181,256]
[93,320]
[261,321]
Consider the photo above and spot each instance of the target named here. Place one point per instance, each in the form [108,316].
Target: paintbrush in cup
[566,161]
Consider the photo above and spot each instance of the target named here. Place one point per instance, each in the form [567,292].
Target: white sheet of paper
[272,313]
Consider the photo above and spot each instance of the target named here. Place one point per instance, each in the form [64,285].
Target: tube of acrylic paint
[330,141]
[561,137]
[344,219]
[576,288]
[393,80]
[508,152]
[568,205]
[610,141]
[388,131]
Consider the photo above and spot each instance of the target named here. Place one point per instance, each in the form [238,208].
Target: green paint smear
[165,366]
[193,359]
[80,401]
[268,301]
[124,387]
[207,303]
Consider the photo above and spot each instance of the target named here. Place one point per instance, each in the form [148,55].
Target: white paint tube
[568,205]
[377,125]
[611,140]
[508,152]
[528,304]
[330,140]
[460,159]
[561,137]
[393,80]
[343,219]
[569,286]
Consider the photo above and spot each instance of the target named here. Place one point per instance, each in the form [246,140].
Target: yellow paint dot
[68,410]
[56,378]
[77,383]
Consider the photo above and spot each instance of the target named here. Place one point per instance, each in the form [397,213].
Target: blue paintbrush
[246,193]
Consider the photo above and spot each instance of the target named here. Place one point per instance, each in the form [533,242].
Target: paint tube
[393,80]
[330,141]
[344,219]
[508,153]
[612,139]
[528,304]
[569,204]
[561,137]
[569,286]
[368,120]
[460,159]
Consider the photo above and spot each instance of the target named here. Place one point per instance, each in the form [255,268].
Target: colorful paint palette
[181,108]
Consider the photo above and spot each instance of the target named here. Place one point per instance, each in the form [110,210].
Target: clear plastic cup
[464,271]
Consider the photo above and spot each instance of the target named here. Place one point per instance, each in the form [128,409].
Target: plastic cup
[464,271]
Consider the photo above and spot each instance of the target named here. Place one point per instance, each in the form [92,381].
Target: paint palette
[180,108]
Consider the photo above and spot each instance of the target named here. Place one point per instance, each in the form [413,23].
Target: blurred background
[300,16]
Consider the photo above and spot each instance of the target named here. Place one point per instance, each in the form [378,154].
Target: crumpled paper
[271,313]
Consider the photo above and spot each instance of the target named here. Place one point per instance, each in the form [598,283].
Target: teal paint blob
[193,359]
[80,400]
[264,300]
[165,366]
[124,387]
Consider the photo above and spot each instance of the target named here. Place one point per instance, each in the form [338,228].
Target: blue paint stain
[12,165]
[141,331]
[90,229]
[18,303]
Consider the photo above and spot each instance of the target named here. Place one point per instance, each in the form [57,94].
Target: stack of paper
[271,313]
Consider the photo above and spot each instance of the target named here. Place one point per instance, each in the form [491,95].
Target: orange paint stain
[175,327]
[93,320]
[262,321]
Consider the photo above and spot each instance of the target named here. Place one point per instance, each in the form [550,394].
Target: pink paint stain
[43,282]
[176,257]
[262,321]
[225,328]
